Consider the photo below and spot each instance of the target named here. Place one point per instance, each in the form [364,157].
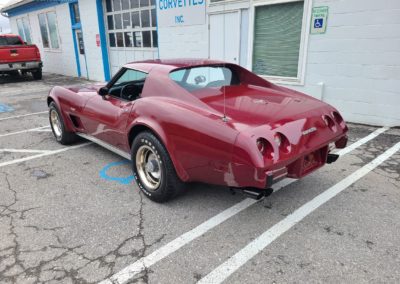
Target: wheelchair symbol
[318,23]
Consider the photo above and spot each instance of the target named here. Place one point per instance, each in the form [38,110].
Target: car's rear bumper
[29,65]
[297,167]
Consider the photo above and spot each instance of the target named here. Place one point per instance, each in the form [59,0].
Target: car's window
[130,75]
[128,85]
[178,75]
[196,78]
[11,40]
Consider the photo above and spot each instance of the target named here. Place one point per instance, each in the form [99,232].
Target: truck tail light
[37,53]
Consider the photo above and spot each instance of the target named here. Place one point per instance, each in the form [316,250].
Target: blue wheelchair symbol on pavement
[318,23]
[121,180]
[5,108]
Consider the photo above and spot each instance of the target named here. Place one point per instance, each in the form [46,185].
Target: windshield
[196,78]
[10,41]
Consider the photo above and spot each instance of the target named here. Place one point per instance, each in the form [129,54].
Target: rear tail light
[329,122]
[265,148]
[282,142]
[339,119]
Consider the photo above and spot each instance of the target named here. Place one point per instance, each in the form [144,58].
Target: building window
[131,23]
[277,39]
[48,30]
[24,30]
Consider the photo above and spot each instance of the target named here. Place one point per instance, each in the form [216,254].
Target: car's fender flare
[140,124]
[53,97]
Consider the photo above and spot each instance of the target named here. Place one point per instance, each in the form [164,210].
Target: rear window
[10,41]
[196,78]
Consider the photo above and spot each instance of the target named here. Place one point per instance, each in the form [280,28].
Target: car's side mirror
[103,91]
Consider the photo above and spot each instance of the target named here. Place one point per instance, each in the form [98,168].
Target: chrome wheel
[148,167]
[55,123]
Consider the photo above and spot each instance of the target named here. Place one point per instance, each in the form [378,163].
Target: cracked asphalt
[63,221]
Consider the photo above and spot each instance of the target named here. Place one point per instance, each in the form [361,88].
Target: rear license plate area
[313,160]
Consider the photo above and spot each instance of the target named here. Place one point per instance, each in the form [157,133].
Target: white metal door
[225,36]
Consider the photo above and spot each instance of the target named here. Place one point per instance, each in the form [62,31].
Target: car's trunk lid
[248,105]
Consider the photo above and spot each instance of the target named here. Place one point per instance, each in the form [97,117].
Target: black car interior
[129,91]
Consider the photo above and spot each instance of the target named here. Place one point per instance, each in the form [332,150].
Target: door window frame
[119,74]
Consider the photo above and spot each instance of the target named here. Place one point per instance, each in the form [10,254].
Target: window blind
[277,34]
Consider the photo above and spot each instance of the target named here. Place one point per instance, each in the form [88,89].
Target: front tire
[153,169]
[57,124]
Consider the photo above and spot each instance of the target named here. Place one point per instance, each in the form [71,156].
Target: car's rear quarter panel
[200,144]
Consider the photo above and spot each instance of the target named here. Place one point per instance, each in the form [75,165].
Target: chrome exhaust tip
[253,193]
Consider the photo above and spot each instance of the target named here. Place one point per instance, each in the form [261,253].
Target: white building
[346,53]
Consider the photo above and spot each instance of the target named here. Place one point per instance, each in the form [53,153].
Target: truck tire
[37,74]
[14,73]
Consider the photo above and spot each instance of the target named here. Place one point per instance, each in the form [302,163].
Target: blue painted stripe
[103,41]
[5,108]
[34,6]
[78,65]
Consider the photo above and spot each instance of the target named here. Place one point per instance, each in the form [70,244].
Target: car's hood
[86,88]
[252,106]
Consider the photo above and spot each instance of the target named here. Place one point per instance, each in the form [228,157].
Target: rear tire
[37,74]
[14,73]
[153,169]
[57,124]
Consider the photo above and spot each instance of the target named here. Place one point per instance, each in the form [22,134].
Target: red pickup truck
[16,55]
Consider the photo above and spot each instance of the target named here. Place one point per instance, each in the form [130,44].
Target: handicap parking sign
[318,23]
[319,20]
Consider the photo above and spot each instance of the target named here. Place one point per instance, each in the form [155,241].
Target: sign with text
[181,12]
[319,19]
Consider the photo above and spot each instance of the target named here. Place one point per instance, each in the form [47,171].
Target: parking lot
[75,215]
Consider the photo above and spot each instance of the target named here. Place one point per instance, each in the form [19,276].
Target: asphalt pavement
[75,215]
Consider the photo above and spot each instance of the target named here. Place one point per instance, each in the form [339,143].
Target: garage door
[131,31]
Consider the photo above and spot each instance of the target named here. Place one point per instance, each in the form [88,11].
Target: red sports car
[200,121]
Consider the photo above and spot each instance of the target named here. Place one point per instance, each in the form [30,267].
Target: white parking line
[362,141]
[42,130]
[24,151]
[24,131]
[16,161]
[135,268]
[23,115]
[223,271]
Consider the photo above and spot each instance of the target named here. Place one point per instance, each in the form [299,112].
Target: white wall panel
[358,60]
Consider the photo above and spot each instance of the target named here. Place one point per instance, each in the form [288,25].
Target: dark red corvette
[200,120]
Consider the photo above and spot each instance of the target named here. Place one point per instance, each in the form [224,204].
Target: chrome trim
[105,145]
[18,66]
